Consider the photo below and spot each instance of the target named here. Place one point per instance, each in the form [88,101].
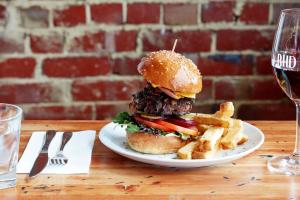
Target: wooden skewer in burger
[154,124]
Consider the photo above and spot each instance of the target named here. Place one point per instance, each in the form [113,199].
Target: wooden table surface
[115,177]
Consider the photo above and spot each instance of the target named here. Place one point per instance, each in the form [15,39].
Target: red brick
[29,93]
[219,65]
[76,66]
[126,66]
[248,89]
[50,43]
[110,111]
[244,40]
[139,13]
[255,13]
[263,65]
[59,113]
[232,90]
[105,90]
[17,67]
[34,17]
[188,41]
[266,90]
[125,40]
[180,14]
[2,13]
[265,111]
[218,11]
[89,42]
[278,7]
[107,13]
[206,92]
[11,42]
[69,16]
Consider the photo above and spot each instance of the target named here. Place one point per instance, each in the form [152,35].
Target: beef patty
[154,101]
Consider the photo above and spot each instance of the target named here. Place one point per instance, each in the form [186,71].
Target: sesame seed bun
[172,71]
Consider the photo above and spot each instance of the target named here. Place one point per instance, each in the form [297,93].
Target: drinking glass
[10,126]
[286,68]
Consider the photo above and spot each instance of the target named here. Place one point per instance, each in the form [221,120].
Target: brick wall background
[76,59]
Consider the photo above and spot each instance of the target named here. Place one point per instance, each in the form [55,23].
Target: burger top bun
[172,71]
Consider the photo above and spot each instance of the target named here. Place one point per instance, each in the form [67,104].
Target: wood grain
[115,177]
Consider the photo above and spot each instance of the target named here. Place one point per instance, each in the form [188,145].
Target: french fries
[217,131]
[202,128]
[243,139]
[231,139]
[236,123]
[226,110]
[185,152]
[209,143]
[209,139]
[212,120]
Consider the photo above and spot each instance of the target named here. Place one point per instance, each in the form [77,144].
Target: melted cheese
[180,94]
[153,85]
[188,95]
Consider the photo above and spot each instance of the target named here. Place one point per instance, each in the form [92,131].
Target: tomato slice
[177,128]
[152,124]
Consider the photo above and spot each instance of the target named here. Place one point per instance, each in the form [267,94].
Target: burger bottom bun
[154,144]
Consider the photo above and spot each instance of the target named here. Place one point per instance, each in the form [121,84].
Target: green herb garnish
[124,118]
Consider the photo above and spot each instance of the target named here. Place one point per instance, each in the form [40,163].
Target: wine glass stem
[296,153]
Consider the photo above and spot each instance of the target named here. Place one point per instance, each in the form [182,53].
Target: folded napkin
[78,150]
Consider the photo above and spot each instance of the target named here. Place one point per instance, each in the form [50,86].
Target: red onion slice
[182,122]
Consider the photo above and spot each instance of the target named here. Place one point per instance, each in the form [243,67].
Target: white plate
[113,136]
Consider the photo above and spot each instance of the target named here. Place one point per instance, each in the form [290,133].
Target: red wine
[289,81]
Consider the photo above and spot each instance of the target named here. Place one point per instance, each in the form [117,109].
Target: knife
[42,160]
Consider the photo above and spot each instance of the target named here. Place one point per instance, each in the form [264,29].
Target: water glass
[10,126]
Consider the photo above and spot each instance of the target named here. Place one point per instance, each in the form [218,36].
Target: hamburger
[156,124]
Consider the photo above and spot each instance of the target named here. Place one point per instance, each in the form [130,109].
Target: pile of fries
[217,131]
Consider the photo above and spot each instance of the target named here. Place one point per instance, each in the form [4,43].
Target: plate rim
[139,155]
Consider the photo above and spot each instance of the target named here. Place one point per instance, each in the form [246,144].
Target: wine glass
[286,68]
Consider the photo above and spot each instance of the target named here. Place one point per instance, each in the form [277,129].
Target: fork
[60,158]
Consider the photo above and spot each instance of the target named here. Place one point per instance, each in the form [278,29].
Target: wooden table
[115,177]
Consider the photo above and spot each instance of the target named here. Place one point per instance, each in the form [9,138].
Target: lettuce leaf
[124,118]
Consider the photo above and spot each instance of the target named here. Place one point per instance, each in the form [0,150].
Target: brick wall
[77,59]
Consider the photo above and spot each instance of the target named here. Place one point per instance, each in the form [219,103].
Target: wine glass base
[285,165]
